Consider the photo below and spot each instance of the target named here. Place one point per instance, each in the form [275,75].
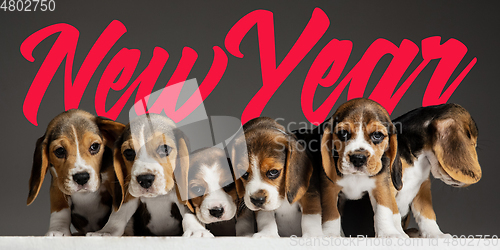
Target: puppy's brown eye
[94,148]
[377,137]
[344,135]
[60,152]
[273,173]
[129,154]
[245,175]
[163,150]
[198,190]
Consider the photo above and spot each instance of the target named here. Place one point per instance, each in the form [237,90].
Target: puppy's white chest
[89,206]
[413,177]
[354,186]
[288,217]
[160,207]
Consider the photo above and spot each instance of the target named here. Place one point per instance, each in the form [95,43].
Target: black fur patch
[79,222]
[175,213]
[142,217]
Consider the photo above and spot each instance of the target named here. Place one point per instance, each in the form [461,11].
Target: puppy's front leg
[266,225]
[118,219]
[330,211]
[424,213]
[387,219]
[245,223]
[191,226]
[311,215]
[60,217]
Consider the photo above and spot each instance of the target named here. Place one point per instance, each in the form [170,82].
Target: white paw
[436,235]
[330,232]
[197,233]
[332,235]
[312,234]
[98,233]
[266,235]
[392,235]
[53,233]
[332,228]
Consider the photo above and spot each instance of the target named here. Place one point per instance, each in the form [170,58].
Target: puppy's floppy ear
[181,172]
[39,169]
[238,151]
[120,171]
[111,130]
[455,151]
[326,152]
[395,160]
[240,188]
[298,169]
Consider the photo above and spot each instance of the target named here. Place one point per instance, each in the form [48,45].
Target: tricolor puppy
[275,175]
[358,149]
[74,149]
[440,140]
[146,155]
[212,194]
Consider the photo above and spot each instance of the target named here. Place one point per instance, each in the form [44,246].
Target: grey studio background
[201,25]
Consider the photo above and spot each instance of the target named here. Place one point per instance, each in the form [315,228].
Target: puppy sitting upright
[75,150]
[358,151]
[146,155]
[275,177]
[439,139]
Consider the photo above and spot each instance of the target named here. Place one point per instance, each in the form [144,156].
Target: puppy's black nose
[146,180]
[81,178]
[358,160]
[217,212]
[258,201]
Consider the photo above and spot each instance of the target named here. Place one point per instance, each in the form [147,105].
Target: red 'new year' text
[333,56]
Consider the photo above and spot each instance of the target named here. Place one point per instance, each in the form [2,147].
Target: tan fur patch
[329,197]
[268,164]
[58,200]
[422,203]
[384,192]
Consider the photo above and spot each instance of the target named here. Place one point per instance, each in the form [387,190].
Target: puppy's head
[364,139]
[72,148]
[147,154]
[454,140]
[210,185]
[276,165]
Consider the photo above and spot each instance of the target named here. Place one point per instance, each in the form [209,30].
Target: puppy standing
[439,139]
[275,177]
[145,157]
[75,150]
[358,151]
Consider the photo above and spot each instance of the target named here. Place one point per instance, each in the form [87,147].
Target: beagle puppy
[75,147]
[440,140]
[146,156]
[211,191]
[358,154]
[273,173]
